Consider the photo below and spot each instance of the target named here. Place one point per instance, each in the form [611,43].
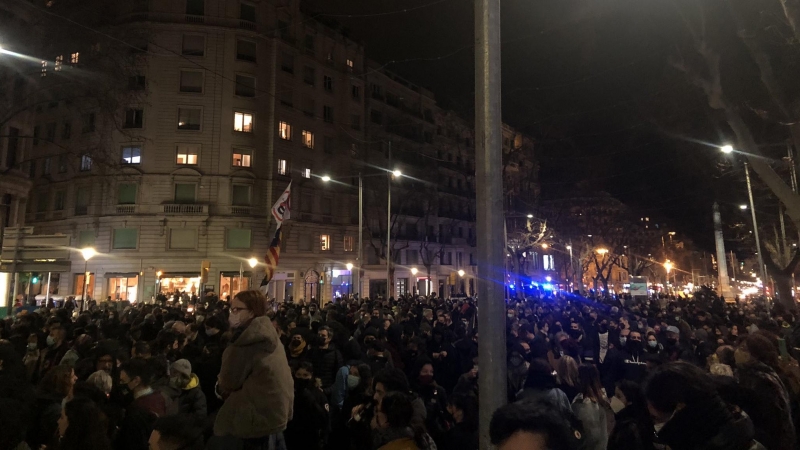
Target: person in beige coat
[255,380]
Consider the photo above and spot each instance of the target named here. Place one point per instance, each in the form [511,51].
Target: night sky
[589,80]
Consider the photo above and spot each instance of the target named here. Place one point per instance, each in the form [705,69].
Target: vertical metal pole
[241,275]
[47,294]
[755,226]
[360,234]
[733,266]
[389,227]
[722,267]
[85,284]
[490,215]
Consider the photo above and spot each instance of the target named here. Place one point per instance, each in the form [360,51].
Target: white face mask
[238,319]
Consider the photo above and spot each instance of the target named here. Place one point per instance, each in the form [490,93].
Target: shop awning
[180,275]
[37,267]
[246,273]
[121,274]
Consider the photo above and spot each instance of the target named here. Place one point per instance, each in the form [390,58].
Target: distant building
[222,104]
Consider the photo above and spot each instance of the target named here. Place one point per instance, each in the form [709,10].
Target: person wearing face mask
[434,398]
[653,346]
[255,379]
[191,400]
[309,425]
[57,347]
[209,363]
[147,405]
[689,413]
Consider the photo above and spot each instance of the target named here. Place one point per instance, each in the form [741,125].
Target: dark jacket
[310,421]
[462,437]
[192,400]
[710,426]
[631,432]
[767,403]
[326,363]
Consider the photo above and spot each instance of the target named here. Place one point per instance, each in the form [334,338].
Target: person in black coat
[633,428]
[463,435]
[309,425]
[326,359]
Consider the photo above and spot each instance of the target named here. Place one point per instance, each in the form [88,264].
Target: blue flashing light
[547,287]
[511,286]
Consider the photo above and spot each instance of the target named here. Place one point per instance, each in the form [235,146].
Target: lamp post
[155,285]
[668,267]
[395,173]
[350,269]
[87,253]
[571,266]
[414,273]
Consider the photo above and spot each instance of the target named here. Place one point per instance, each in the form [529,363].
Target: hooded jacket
[256,378]
[192,400]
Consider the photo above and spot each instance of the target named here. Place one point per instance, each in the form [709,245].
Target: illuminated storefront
[80,283]
[169,283]
[123,286]
[230,283]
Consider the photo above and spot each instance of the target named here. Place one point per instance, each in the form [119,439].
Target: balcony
[126,209]
[191,18]
[241,210]
[247,25]
[179,208]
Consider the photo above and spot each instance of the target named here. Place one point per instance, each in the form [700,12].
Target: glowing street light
[325,178]
[726,148]
[349,266]
[397,173]
[253,263]
[414,271]
[743,207]
[461,272]
[530,216]
[88,253]
[544,246]
[549,279]
[569,247]
[602,251]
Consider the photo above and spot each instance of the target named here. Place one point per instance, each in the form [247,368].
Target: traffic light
[205,267]
[35,280]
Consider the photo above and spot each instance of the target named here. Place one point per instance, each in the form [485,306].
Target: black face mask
[634,346]
[672,341]
[575,334]
[302,384]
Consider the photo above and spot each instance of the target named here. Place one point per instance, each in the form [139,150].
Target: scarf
[295,352]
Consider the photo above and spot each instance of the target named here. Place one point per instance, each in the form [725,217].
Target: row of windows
[179,238]
[305,243]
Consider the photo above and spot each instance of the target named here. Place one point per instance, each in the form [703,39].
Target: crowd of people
[587,373]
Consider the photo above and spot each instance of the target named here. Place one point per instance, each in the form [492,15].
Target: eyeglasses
[235,309]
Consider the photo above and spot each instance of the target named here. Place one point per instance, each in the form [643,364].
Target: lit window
[59,61]
[241,158]
[44,68]
[308,139]
[285,131]
[86,163]
[306,173]
[350,65]
[243,122]
[549,264]
[325,242]
[74,58]
[131,155]
[187,154]
[281,167]
[348,243]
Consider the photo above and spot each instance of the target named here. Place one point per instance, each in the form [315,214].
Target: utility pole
[755,226]
[722,267]
[490,215]
[389,226]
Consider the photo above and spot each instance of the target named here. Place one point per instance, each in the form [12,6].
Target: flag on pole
[280,211]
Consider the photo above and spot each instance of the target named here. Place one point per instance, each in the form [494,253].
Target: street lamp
[155,285]
[397,173]
[87,253]
[668,267]
[326,178]
[743,207]
[350,269]
[414,271]
[253,263]
[461,272]
[602,251]
[544,246]
[530,216]
[726,148]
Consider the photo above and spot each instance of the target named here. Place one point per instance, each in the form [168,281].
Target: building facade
[223,104]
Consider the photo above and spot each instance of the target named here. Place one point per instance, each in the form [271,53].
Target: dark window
[247,12]
[287,62]
[195,7]
[66,132]
[309,75]
[193,45]
[356,92]
[36,132]
[88,122]
[355,121]
[50,132]
[245,86]
[13,144]
[329,144]
[327,83]
[327,113]
[376,117]
[134,118]
[245,50]
[309,44]
[136,82]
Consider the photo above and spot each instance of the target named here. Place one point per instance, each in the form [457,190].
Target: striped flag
[280,211]
[272,257]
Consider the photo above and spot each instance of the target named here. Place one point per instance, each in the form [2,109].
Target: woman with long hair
[82,425]
[592,408]
[541,386]
[53,389]
[567,370]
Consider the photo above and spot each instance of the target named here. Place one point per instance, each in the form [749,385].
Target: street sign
[638,287]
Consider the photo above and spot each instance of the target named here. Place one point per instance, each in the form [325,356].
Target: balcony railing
[126,209]
[184,209]
[241,210]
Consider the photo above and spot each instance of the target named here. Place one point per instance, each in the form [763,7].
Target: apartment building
[220,105]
